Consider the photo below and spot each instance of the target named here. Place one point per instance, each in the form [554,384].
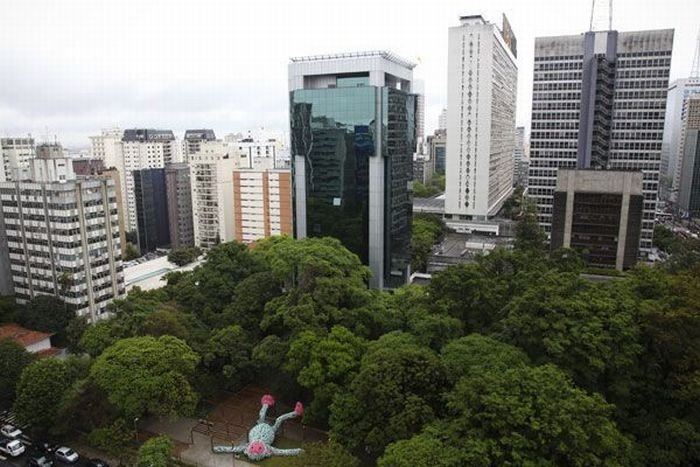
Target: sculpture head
[257,450]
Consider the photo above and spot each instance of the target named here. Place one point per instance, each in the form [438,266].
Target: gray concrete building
[15,153]
[179,197]
[689,177]
[599,214]
[599,101]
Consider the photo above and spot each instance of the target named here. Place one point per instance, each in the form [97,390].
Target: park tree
[98,337]
[147,375]
[13,359]
[425,450]
[325,365]
[531,416]
[184,256]
[8,309]
[529,236]
[227,354]
[39,393]
[587,329]
[475,353]
[329,454]
[46,313]
[131,251]
[395,393]
[113,438]
[156,452]
[426,231]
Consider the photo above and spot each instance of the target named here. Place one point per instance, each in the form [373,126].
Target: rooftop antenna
[610,11]
[695,69]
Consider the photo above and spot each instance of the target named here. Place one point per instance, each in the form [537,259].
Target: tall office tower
[193,140]
[179,197]
[519,178]
[114,174]
[151,209]
[679,91]
[437,148]
[482,78]
[16,153]
[108,147]
[143,149]
[689,183]
[262,203]
[419,91]
[211,176]
[442,120]
[599,213]
[352,140]
[598,102]
[63,237]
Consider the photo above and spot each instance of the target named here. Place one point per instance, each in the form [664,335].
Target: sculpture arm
[229,449]
[285,452]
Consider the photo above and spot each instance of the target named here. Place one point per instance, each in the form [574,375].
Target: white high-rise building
[107,147]
[15,154]
[442,120]
[62,236]
[143,149]
[211,177]
[482,78]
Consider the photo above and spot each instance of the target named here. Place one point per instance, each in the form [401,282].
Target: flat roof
[385,54]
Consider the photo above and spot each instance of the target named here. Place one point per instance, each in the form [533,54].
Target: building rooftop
[143,134]
[385,54]
[23,336]
[203,134]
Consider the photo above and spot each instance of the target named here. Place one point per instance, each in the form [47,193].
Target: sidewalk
[197,454]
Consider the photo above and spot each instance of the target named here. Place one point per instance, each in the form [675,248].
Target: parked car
[97,463]
[67,455]
[46,448]
[39,460]
[10,431]
[12,447]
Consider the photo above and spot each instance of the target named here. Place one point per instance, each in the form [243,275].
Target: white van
[12,447]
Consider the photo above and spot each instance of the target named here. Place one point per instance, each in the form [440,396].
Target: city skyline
[74,67]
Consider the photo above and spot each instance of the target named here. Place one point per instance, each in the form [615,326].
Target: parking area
[34,450]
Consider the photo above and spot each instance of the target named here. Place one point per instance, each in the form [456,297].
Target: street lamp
[136,430]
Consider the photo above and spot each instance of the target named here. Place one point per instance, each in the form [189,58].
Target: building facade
[519,162]
[211,177]
[192,142]
[599,101]
[689,179]
[437,149]
[16,154]
[599,214]
[482,78]
[143,149]
[108,147]
[63,240]
[353,127]
[151,209]
[262,202]
[179,199]
[679,91]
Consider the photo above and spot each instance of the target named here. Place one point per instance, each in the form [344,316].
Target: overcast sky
[75,66]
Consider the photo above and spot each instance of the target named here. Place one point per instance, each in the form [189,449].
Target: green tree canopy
[147,375]
[395,393]
[13,359]
[156,452]
[39,393]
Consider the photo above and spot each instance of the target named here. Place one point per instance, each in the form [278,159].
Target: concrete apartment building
[482,79]
[599,214]
[598,102]
[15,153]
[351,174]
[179,198]
[262,203]
[519,162]
[689,179]
[211,178]
[108,147]
[143,149]
[192,142]
[62,236]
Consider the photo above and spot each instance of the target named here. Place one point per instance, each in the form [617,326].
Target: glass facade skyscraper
[353,132]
